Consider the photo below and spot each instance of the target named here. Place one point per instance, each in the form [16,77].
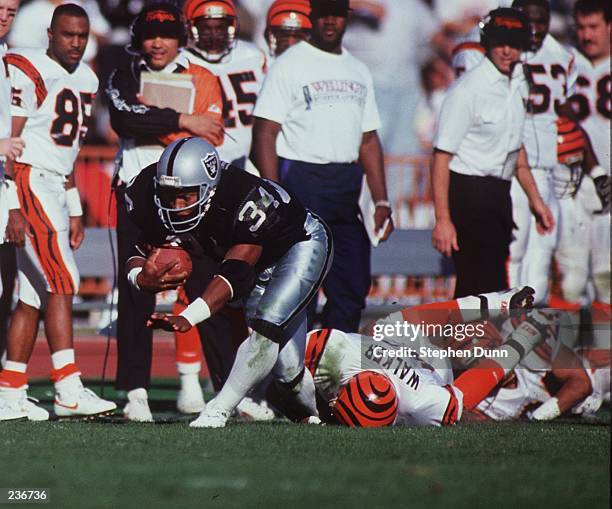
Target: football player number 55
[65,127]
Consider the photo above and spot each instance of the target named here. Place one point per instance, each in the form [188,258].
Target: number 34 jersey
[245,209]
[240,75]
[58,106]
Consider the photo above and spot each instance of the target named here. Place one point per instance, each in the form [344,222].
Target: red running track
[90,358]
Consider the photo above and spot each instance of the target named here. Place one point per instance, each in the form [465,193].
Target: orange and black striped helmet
[289,14]
[290,18]
[211,49]
[368,400]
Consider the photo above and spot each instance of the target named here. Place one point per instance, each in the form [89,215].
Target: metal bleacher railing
[406,269]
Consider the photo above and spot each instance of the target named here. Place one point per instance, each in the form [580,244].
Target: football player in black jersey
[273,255]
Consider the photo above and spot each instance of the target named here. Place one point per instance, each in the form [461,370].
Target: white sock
[19,367]
[188,368]
[190,375]
[470,308]
[139,393]
[62,358]
[254,360]
[191,382]
[71,383]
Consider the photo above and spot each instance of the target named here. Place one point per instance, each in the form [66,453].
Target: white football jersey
[592,103]
[552,74]
[468,52]
[423,395]
[241,75]
[58,106]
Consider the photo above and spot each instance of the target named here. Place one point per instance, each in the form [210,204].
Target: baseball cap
[320,8]
[162,20]
[506,26]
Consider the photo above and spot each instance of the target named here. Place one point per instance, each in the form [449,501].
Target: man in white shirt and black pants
[477,150]
[319,102]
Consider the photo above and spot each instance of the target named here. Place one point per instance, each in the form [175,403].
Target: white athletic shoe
[190,399]
[35,413]
[313,419]
[211,417]
[80,402]
[137,408]
[251,410]
[12,404]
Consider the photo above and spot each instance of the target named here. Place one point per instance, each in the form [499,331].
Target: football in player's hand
[170,253]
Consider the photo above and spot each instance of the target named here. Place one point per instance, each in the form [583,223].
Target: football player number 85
[65,127]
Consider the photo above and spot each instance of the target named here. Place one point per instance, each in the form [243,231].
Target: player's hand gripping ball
[172,253]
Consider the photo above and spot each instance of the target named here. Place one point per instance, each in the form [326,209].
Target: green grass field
[112,465]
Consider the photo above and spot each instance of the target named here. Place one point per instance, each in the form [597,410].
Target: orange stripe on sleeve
[315,348]
[26,67]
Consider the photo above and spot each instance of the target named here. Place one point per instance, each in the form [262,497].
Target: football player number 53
[65,127]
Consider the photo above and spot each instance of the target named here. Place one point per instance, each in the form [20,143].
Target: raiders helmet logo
[211,164]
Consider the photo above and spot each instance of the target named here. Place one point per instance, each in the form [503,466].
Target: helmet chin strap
[272,44]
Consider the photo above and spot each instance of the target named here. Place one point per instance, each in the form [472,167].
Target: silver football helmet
[186,164]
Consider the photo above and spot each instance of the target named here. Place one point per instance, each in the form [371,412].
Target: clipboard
[176,91]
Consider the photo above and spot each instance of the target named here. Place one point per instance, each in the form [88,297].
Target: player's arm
[16,226]
[545,221]
[371,158]
[233,281]
[263,149]
[131,118]
[457,116]
[575,386]
[444,235]
[206,120]
[75,211]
